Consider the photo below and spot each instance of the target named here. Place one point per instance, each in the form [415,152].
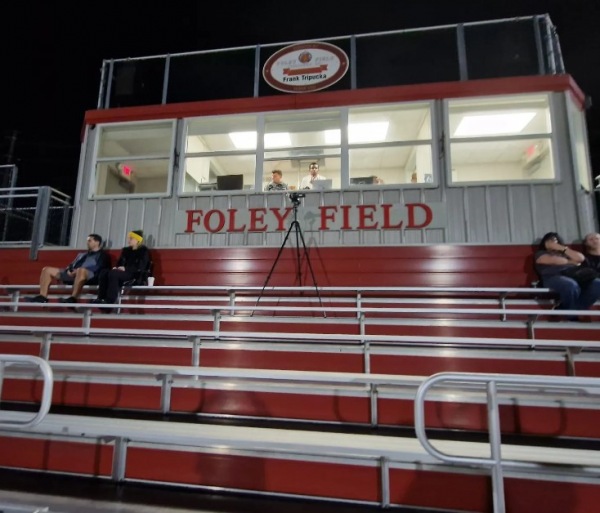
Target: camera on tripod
[296,196]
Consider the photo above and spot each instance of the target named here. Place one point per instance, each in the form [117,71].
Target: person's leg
[589,295]
[102,284]
[46,276]
[115,279]
[81,277]
[567,289]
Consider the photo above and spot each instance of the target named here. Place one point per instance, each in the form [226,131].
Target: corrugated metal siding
[496,214]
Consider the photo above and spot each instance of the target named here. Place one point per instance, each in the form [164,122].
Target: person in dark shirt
[133,263]
[591,250]
[552,258]
[276,184]
[86,266]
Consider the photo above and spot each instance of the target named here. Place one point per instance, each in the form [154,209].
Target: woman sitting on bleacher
[133,264]
[554,261]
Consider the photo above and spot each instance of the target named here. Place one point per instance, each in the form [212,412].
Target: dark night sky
[52,53]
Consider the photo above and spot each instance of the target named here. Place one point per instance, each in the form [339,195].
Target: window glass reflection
[398,165]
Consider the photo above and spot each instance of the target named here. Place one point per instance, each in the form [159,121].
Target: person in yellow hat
[133,264]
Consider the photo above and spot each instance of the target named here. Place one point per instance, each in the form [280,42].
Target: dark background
[52,53]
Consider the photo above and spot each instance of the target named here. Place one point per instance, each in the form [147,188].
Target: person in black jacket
[553,262]
[592,250]
[133,263]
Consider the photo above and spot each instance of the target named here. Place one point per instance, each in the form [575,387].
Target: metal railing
[34,216]
[343,447]
[164,79]
[490,382]
[9,360]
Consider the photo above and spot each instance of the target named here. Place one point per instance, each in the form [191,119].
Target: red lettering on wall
[387,224]
[339,217]
[193,217]
[257,216]
[211,214]
[346,217]
[327,214]
[232,215]
[411,207]
[281,218]
[366,213]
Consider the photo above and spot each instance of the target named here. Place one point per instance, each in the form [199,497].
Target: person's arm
[144,260]
[96,263]
[121,261]
[76,260]
[105,260]
[560,255]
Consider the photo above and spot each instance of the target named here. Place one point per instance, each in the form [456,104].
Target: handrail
[363,344]
[46,401]
[168,377]
[225,335]
[303,289]
[494,462]
[226,309]
[239,312]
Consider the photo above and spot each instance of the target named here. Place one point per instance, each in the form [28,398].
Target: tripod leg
[299,233]
[298,259]
[287,235]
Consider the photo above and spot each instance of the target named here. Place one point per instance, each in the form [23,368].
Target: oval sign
[305,67]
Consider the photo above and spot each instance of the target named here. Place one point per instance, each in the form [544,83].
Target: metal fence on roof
[490,49]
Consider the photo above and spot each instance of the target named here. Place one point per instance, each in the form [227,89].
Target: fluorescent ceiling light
[359,133]
[243,140]
[493,124]
[278,140]
[247,140]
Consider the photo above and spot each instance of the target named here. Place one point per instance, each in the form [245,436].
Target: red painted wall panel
[436,265]
[254,473]
[81,458]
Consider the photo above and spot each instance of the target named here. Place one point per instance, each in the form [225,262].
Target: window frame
[92,192]
[550,136]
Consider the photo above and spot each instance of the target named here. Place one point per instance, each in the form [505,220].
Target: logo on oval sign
[305,67]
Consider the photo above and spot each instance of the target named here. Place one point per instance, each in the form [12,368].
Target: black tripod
[295,225]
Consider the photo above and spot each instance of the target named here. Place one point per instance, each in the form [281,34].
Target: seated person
[312,176]
[591,250]
[551,259]
[85,268]
[133,262]
[276,184]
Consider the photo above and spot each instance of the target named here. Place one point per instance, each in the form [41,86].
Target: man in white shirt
[312,176]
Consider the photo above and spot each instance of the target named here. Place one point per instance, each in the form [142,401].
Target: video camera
[295,197]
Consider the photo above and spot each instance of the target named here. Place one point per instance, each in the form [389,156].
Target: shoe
[98,301]
[37,299]
[69,300]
